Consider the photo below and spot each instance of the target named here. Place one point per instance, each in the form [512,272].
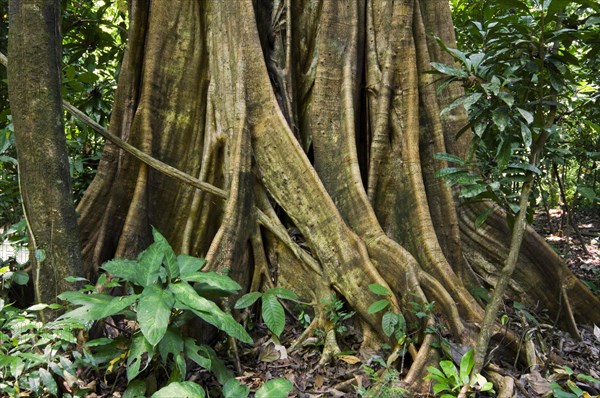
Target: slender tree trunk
[34,70]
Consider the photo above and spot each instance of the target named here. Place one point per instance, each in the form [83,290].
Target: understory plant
[272,311]
[161,293]
[33,355]
[449,381]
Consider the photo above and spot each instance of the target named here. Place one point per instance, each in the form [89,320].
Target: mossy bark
[318,113]
[34,71]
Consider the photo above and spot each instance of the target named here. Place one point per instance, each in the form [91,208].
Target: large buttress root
[318,118]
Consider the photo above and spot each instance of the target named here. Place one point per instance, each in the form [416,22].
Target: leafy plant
[383,384]
[450,381]
[272,312]
[33,356]
[160,298]
[334,308]
[392,323]
[568,388]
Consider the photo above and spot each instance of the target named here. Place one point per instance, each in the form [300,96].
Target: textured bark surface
[317,113]
[34,72]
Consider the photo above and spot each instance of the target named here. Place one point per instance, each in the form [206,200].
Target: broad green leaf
[234,389]
[20,277]
[122,268]
[525,166]
[470,191]
[526,115]
[213,281]
[273,314]
[449,70]
[276,388]
[197,353]
[466,364]
[526,134]
[135,389]
[448,171]
[449,157]
[170,260]
[189,265]
[100,308]
[388,323]
[467,101]
[483,216]
[184,389]
[141,350]
[247,300]
[377,306]
[379,289]
[500,119]
[153,312]
[171,343]
[209,311]
[282,293]
[48,381]
[435,374]
[507,98]
[586,192]
[450,371]
[149,264]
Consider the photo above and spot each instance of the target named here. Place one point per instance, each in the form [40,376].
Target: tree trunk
[319,115]
[35,98]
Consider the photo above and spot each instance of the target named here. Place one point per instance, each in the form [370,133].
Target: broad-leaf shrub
[162,292]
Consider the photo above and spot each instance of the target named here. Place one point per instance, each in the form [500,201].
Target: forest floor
[345,376]
[563,360]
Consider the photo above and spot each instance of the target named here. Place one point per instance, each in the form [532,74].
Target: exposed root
[330,345]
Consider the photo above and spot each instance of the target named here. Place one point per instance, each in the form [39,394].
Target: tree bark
[319,115]
[34,71]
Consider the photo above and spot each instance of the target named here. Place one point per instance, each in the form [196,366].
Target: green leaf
[526,134]
[525,166]
[508,98]
[209,311]
[282,293]
[500,119]
[467,101]
[48,381]
[94,306]
[377,306]
[388,323]
[472,190]
[276,388]
[234,389]
[449,70]
[140,349]
[526,115]
[121,268]
[189,265]
[172,343]
[135,389]
[170,259]
[449,157]
[483,216]
[450,371]
[20,277]
[379,289]
[197,353]
[466,365]
[211,281]
[154,311]
[273,314]
[184,389]
[247,300]
[149,264]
